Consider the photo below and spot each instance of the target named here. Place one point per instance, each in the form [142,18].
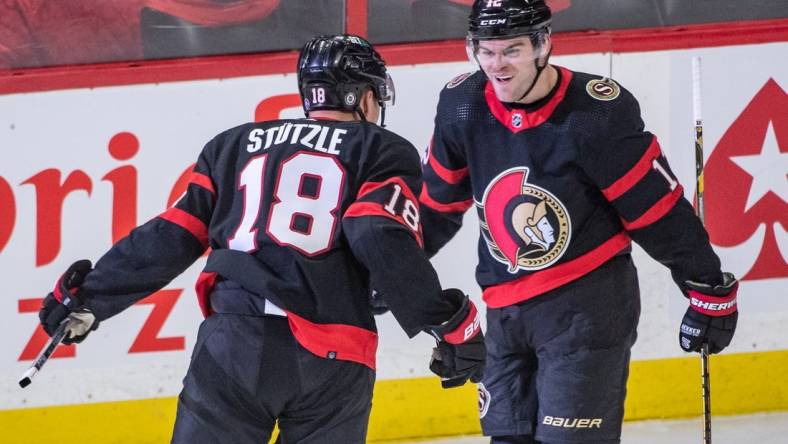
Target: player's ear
[545,44]
[369,105]
[368,100]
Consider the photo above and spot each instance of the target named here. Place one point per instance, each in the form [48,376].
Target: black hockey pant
[248,371]
[557,364]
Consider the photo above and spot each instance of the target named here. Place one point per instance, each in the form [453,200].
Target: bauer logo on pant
[525,226]
[573,423]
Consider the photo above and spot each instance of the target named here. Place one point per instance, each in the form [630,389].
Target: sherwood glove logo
[526,227]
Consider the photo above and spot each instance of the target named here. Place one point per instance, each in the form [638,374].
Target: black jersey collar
[519,119]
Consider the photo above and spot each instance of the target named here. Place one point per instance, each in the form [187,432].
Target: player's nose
[497,63]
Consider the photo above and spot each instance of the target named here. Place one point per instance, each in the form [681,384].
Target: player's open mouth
[503,79]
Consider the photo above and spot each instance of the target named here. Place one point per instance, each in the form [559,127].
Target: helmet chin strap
[382,114]
[539,70]
[361,114]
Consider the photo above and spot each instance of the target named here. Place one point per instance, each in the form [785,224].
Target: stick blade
[24,382]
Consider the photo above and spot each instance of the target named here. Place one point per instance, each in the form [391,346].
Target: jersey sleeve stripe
[453,207]
[190,223]
[203,181]
[633,176]
[362,209]
[656,212]
[369,187]
[449,176]
[539,282]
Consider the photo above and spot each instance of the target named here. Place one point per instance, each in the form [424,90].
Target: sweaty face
[509,64]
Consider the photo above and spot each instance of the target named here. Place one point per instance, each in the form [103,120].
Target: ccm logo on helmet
[492,22]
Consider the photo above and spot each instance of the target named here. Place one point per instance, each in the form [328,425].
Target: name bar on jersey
[309,135]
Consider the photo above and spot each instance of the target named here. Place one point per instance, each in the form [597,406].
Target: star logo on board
[746,192]
[768,169]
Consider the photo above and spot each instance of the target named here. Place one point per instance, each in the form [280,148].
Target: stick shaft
[704,365]
[699,210]
[60,333]
[698,118]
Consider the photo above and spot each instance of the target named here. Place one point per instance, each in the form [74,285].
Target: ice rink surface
[762,428]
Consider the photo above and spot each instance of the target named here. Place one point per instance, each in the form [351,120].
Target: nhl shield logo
[603,89]
[517,119]
[350,98]
[525,226]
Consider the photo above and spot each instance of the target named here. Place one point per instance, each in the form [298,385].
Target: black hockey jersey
[309,215]
[559,190]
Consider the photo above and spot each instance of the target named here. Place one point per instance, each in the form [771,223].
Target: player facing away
[563,177]
[303,218]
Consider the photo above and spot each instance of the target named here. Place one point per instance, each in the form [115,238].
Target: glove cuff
[467,329]
[64,295]
[67,287]
[714,306]
[463,325]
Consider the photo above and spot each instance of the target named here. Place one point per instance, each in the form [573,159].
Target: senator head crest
[525,226]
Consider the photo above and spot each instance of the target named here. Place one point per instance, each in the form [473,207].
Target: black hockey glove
[711,316]
[66,301]
[377,304]
[460,353]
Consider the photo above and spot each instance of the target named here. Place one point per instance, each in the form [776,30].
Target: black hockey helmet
[334,71]
[502,19]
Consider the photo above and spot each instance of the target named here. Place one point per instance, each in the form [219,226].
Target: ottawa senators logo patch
[457,80]
[603,89]
[525,226]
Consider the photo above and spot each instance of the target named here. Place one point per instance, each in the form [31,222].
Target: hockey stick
[704,351]
[60,333]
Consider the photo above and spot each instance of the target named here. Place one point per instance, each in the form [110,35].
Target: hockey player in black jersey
[303,218]
[563,177]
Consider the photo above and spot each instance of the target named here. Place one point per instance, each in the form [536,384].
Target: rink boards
[74,160]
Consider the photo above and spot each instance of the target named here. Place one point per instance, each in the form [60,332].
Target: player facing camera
[568,179]
[510,41]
